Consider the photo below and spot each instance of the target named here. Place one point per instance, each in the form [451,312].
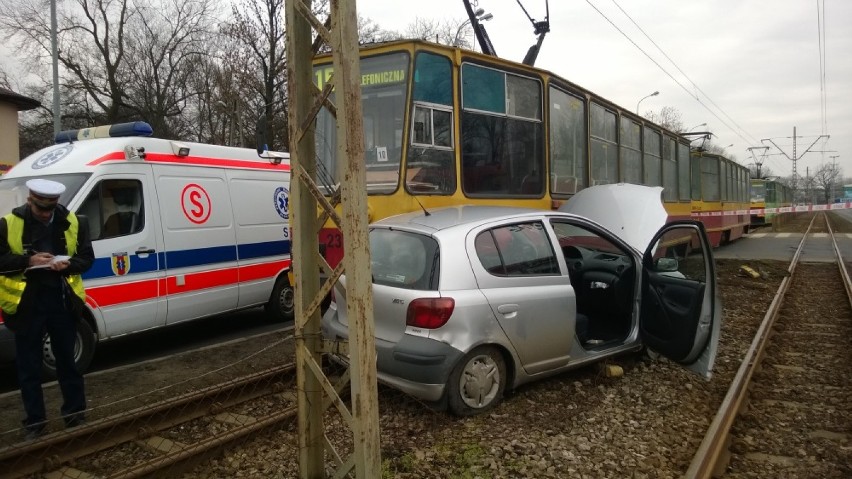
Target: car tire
[282,303]
[477,382]
[84,351]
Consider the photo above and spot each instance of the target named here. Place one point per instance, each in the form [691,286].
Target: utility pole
[57,118]
[796,157]
[835,174]
[315,391]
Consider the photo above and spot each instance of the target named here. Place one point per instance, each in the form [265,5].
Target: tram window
[421,130]
[603,145]
[651,158]
[433,79]
[501,156]
[383,93]
[501,134]
[683,172]
[431,126]
[669,169]
[631,155]
[732,192]
[695,177]
[430,167]
[567,142]
[523,97]
[483,89]
[723,178]
[710,179]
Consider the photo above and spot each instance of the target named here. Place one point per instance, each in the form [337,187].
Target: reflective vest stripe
[12,286]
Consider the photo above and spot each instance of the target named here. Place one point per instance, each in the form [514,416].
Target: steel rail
[713,454]
[183,458]
[54,450]
[844,273]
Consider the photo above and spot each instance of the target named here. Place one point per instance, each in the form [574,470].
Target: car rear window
[404,260]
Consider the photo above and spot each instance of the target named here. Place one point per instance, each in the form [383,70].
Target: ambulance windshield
[383,86]
[14,192]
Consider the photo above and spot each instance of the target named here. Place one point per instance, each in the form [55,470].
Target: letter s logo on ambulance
[120,264]
[195,203]
[282,202]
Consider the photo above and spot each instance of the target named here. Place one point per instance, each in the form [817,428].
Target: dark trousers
[49,313]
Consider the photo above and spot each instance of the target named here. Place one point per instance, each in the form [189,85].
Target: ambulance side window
[114,208]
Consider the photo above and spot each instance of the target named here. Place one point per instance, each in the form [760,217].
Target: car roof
[456,216]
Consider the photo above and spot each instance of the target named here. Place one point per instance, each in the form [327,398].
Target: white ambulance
[180,230]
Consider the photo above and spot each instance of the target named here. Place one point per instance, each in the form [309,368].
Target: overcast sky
[750,69]
[753,64]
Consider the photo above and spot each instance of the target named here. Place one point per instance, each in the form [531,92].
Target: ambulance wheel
[282,304]
[84,351]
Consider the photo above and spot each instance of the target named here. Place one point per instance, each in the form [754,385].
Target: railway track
[787,411]
[559,421]
[176,434]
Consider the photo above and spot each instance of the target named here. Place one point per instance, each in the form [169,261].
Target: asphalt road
[782,246]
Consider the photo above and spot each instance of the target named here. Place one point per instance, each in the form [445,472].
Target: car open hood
[634,212]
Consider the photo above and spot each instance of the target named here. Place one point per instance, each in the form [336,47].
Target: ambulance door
[124,287]
[200,242]
[261,210]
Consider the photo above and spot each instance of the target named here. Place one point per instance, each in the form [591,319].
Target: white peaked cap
[46,188]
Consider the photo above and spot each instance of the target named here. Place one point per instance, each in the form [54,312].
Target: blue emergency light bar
[136,128]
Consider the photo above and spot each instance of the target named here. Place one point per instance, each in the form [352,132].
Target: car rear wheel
[477,383]
[84,351]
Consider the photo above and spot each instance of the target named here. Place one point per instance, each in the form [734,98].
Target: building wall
[9,143]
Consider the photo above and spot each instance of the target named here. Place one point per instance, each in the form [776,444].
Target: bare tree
[447,32]
[256,61]
[121,61]
[827,177]
[668,117]
[168,43]
[759,171]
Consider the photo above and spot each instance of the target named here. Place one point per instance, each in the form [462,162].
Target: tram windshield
[758,191]
[383,88]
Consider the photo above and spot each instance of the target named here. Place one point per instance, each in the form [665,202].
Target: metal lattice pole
[313,387]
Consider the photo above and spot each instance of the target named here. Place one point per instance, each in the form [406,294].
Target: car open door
[680,311]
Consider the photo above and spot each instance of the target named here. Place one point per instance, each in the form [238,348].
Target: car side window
[522,249]
[114,208]
[673,256]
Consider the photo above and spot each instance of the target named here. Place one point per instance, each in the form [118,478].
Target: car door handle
[144,250]
[507,308]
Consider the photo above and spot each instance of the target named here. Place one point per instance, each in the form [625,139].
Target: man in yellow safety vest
[43,251]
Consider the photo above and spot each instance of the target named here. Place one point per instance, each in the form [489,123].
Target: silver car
[472,300]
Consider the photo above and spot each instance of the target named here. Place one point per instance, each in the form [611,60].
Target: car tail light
[429,313]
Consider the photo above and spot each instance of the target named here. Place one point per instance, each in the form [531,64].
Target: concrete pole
[57,119]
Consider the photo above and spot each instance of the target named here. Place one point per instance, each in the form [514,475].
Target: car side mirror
[666,265]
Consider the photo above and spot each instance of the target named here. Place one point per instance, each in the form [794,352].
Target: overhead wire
[739,131]
[743,130]
[822,66]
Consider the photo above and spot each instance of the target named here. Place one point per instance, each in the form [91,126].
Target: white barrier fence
[783,209]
